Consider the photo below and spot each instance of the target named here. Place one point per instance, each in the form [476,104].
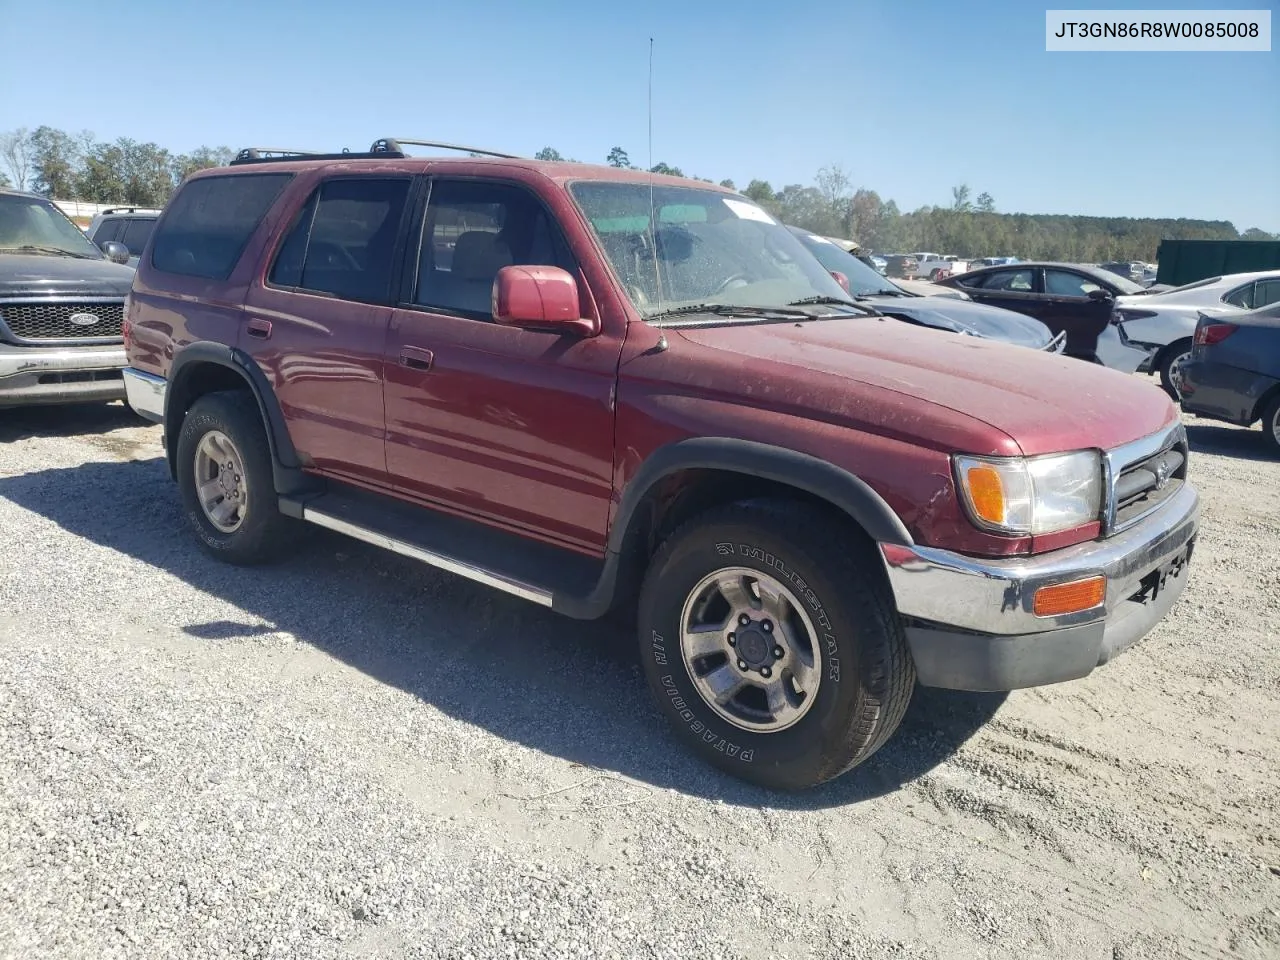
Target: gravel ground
[350,755]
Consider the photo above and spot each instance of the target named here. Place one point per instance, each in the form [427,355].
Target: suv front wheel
[772,647]
[226,483]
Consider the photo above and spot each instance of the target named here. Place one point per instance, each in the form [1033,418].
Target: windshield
[674,247]
[863,281]
[33,225]
[1124,284]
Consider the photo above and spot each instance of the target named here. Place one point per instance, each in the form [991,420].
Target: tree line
[69,166]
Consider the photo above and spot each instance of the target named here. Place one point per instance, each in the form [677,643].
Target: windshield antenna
[653,214]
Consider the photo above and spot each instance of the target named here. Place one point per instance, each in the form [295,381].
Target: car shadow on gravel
[562,687]
[1229,441]
[65,420]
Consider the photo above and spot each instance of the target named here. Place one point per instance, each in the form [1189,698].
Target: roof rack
[129,210]
[395,145]
[276,155]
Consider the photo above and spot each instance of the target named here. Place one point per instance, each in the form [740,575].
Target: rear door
[1012,289]
[317,321]
[1068,306]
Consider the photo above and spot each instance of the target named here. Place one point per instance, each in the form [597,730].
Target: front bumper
[33,375]
[970,623]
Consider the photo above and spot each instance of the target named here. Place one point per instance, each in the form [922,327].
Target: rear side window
[210,221]
[1243,297]
[136,235]
[343,241]
[1014,281]
[107,230]
[1266,293]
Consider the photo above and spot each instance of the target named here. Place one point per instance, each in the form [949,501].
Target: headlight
[1035,495]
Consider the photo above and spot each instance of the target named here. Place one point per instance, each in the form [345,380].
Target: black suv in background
[131,226]
[61,307]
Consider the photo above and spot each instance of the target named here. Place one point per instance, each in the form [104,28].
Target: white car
[1164,323]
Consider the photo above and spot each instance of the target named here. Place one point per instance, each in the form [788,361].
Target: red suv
[599,389]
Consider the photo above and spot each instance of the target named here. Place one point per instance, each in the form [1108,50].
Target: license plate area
[1154,583]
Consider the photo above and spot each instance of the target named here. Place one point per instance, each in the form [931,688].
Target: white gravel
[350,755]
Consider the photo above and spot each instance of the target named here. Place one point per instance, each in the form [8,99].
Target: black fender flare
[286,464]
[812,474]
[816,476]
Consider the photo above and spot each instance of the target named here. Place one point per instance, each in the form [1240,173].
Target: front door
[513,427]
[318,325]
[1069,306]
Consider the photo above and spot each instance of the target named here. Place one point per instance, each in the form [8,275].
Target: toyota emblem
[83,319]
[1162,474]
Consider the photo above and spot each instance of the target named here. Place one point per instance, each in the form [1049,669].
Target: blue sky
[909,98]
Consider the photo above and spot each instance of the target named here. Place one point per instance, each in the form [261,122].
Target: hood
[39,275]
[965,316]
[943,392]
[925,288]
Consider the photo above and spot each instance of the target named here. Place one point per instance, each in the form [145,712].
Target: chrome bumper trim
[37,360]
[995,596]
[145,393]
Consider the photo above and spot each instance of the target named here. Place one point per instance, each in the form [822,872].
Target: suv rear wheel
[225,479]
[772,647]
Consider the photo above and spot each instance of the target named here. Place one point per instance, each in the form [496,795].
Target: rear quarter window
[209,222]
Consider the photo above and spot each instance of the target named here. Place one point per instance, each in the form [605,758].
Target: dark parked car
[622,389]
[61,307]
[1234,370]
[1064,297]
[943,313]
[900,265]
[131,226]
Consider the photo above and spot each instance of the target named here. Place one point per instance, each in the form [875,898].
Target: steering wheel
[737,280]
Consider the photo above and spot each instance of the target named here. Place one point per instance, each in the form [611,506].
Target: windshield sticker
[748,211]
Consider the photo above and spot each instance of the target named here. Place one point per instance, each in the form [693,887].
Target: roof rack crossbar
[396,145]
[259,153]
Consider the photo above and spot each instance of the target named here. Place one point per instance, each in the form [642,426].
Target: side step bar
[438,560]
[562,580]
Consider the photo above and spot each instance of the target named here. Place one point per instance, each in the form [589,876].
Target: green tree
[201,158]
[548,153]
[56,158]
[728,183]
[986,203]
[759,191]
[15,154]
[1256,233]
[960,199]
[834,185]
[618,158]
[666,168]
[4,180]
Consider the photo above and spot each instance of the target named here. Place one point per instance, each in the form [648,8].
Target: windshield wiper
[57,251]
[729,310]
[823,299]
[886,293]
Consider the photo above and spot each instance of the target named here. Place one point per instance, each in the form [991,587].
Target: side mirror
[115,251]
[541,298]
[841,279]
[1099,294]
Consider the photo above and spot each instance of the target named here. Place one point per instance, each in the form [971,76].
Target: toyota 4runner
[601,389]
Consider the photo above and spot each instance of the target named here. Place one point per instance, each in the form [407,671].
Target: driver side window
[1061,283]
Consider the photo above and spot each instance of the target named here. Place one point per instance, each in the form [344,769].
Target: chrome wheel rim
[750,649]
[221,487]
[1175,371]
[1275,425]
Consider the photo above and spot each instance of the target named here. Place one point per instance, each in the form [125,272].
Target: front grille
[52,321]
[1144,485]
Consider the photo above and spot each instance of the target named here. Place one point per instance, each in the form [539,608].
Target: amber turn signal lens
[1070,597]
[986,492]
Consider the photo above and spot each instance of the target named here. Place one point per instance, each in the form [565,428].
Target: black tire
[1271,423]
[1164,365]
[264,534]
[867,676]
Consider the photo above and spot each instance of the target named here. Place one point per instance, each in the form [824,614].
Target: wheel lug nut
[742,664]
[766,672]
[778,653]
[733,640]
[743,620]
[767,626]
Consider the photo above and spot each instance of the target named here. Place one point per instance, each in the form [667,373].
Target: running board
[561,580]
